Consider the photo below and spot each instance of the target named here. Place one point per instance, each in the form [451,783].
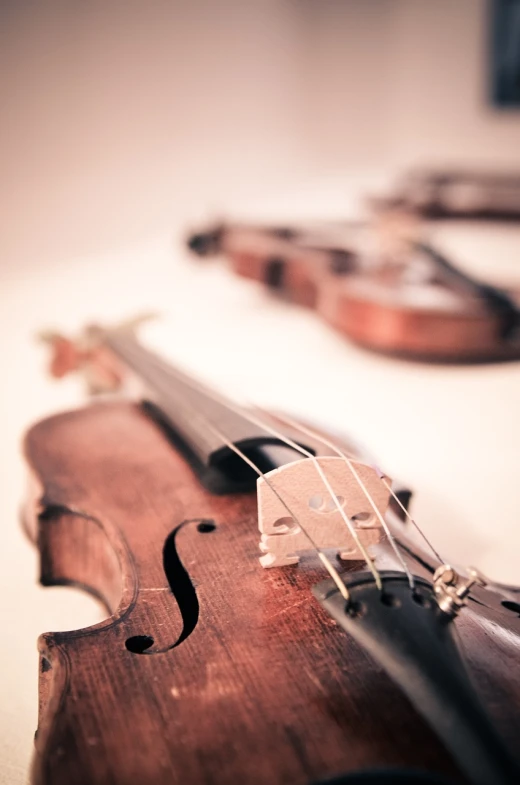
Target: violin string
[348,460]
[413,522]
[341,453]
[194,384]
[334,574]
[368,495]
[281,437]
[348,522]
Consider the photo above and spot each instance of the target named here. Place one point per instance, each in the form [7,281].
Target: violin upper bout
[97,475]
[76,547]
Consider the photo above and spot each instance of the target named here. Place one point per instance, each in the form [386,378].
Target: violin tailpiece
[409,636]
[309,512]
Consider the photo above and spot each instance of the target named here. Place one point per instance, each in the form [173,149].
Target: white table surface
[451,433]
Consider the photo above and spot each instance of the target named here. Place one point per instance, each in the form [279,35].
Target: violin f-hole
[182,589]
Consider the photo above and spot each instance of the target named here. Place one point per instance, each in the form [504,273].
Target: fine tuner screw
[451,589]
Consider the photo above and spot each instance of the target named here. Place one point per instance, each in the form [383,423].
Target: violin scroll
[88,355]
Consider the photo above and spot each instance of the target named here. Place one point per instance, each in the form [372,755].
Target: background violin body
[420,322]
[404,299]
[290,260]
[461,194]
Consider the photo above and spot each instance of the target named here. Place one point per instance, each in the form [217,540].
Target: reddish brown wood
[255,253]
[470,334]
[298,279]
[266,689]
[102,367]
[461,194]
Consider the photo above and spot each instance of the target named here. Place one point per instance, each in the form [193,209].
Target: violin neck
[204,422]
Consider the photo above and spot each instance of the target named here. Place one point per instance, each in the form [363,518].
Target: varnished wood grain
[470,333]
[466,335]
[266,689]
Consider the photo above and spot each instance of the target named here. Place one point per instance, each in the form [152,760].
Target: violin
[452,194]
[289,260]
[275,615]
[398,295]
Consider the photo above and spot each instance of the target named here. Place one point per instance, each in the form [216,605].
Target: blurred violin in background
[381,284]
[460,194]
[275,614]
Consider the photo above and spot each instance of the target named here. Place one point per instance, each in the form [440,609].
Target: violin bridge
[295,506]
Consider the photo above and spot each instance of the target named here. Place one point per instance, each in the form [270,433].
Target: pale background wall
[118,116]
[402,81]
[439,91]
[348,55]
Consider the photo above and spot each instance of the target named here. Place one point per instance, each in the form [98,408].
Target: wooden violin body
[419,323]
[209,668]
[461,194]
[447,318]
[226,657]
[288,260]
